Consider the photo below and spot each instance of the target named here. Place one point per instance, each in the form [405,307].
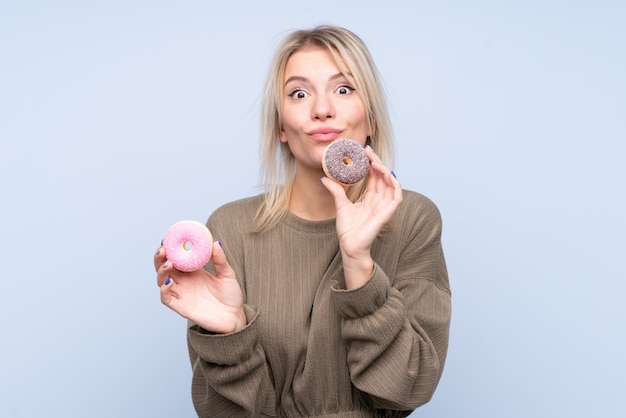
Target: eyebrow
[304,79]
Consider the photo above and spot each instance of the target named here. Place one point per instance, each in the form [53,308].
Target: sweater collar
[305,226]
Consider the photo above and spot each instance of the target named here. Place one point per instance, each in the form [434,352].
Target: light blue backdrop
[118,118]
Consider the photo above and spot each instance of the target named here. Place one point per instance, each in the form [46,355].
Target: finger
[168,295]
[397,187]
[376,177]
[398,195]
[222,267]
[159,257]
[376,162]
[393,193]
[379,174]
[369,151]
[390,186]
[163,273]
[337,191]
[388,176]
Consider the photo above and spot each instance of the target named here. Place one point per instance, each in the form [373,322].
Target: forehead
[312,60]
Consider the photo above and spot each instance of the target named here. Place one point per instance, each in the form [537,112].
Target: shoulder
[415,204]
[238,208]
[239,212]
[417,215]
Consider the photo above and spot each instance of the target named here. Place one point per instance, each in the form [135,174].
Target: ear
[283,137]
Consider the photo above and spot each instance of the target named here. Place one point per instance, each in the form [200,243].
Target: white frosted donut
[345,161]
[188,245]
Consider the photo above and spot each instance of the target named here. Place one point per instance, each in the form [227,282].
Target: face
[319,106]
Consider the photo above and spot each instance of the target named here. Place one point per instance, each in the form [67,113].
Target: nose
[323,108]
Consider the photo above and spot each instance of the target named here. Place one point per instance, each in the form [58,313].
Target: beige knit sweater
[312,348]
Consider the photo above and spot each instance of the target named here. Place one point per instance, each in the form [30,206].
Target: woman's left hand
[358,224]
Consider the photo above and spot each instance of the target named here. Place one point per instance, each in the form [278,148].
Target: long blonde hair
[277,162]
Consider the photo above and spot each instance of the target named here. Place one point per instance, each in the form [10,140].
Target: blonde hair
[277,162]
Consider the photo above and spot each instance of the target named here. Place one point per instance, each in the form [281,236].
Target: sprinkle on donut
[188,245]
[345,161]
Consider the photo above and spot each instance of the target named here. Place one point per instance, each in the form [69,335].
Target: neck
[310,199]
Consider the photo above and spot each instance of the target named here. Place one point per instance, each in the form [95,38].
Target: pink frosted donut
[345,161]
[188,245]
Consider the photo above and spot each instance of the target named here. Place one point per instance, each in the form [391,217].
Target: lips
[325,134]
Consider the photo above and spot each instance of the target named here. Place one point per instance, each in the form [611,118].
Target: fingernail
[394,175]
[169,279]
[161,243]
[167,263]
[219,243]
[158,251]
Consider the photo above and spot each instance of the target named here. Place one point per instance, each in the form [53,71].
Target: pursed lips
[325,134]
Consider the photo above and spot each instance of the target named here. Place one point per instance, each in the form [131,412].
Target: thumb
[337,191]
[222,267]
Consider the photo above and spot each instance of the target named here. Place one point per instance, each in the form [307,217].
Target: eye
[297,94]
[345,89]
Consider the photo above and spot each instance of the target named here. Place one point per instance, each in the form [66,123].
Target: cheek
[360,118]
[288,124]
[287,130]
[358,114]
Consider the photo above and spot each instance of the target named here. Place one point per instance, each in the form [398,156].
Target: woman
[320,300]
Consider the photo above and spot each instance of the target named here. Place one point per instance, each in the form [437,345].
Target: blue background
[119,118]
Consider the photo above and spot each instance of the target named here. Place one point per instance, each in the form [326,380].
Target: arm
[395,319]
[230,374]
[397,336]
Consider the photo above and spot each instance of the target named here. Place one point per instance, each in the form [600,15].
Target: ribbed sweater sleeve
[230,378]
[235,366]
[397,335]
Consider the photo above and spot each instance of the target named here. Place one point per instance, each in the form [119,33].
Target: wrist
[357,270]
[229,325]
[242,321]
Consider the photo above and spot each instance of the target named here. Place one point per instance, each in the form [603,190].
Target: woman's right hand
[213,302]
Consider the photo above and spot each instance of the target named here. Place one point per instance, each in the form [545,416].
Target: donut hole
[187,246]
[346,160]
